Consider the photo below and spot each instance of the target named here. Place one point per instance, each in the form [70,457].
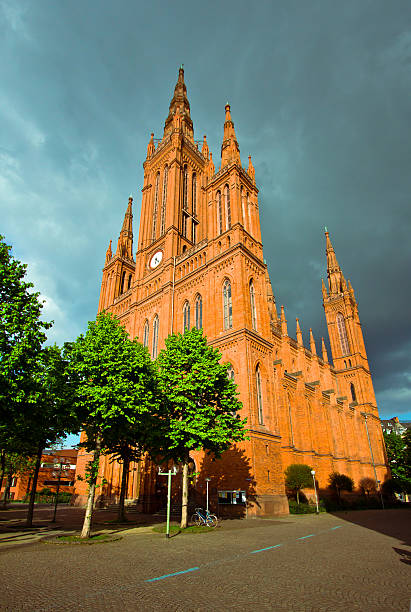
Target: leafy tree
[114,396]
[340,482]
[199,403]
[13,465]
[399,459]
[368,485]
[298,476]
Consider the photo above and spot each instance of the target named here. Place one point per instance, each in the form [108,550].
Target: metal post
[372,459]
[57,493]
[168,504]
[315,490]
[207,481]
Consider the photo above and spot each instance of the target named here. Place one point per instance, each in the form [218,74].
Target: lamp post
[169,473]
[207,481]
[315,491]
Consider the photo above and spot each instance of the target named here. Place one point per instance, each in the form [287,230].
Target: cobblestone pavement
[354,561]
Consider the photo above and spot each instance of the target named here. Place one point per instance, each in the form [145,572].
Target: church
[199,262]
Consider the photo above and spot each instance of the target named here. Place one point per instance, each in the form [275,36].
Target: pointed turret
[109,253]
[313,348]
[150,146]
[204,150]
[299,333]
[180,105]
[284,330]
[272,309]
[336,279]
[230,151]
[125,241]
[210,167]
[324,351]
[250,169]
[324,289]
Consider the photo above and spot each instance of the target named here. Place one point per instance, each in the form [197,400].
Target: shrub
[340,482]
[297,477]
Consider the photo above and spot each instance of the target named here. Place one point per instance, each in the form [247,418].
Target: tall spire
[125,241]
[336,281]
[250,169]
[180,105]
[284,330]
[324,351]
[150,146]
[299,333]
[272,309]
[312,343]
[205,150]
[109,253]
[230,151]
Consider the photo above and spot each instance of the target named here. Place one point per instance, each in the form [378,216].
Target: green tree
[340,482]
[199,403]
[298,476]
[399,459]
[13,465]
[114,396]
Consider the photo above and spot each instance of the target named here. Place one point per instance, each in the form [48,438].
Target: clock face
[156,259]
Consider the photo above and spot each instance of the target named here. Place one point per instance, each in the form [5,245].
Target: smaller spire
[299,333]
[284,330]
[204,150]
[125,240]
[313,348]
[230,151]
[324,351]
[324,289]
[109,253]
[251,170]
[351,290]
[211,167]
[150,146]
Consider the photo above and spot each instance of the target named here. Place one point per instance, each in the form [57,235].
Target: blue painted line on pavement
[262,549]
[192,569]
[307,536]
[338,527]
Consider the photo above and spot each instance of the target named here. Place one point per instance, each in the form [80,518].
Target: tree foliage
[298,476]
[399,459]
[114,393]
[340,482]
[200,405]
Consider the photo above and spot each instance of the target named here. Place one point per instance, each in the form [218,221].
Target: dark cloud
[320,97]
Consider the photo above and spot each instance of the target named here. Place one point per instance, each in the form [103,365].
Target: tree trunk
[298,496]
[30,510]
[7,489]
[3,467]
[85,532]
[124,478]
[28,486]
[184,501]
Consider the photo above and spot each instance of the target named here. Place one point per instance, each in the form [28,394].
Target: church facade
[199,262]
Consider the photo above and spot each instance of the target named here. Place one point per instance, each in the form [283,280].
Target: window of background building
[232,497]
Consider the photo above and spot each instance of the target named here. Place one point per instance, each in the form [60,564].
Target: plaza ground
[346,561]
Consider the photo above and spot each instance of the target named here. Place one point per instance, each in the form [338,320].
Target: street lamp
[169,473]
[315,490]
[207,481]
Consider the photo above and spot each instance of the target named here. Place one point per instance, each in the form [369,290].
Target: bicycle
[203,517]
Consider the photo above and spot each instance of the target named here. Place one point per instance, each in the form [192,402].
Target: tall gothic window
[227,305]
[164,202]
[186,316]
[353,394]
[184,225]
[194,194]
[259,395]
[194,232]
[146,333]
[185,188]
[342,331]
[227,207]
[252,304]
[155,207]
[250,226]
[199,312]
[242,196]
[219,213]
[155,337]
[230,373]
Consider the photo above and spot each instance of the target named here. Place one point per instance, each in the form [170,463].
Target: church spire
[230,151]
[312,343]
[109,253]
[284,330]
[336,280]
[250,169]
[180,105]
[299,332]
[125,240]
[324,351]
[150,146]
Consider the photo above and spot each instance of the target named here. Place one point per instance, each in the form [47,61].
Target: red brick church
[199,262]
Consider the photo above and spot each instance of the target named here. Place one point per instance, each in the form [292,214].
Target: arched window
[242,196]
[219,213]
[250,225]
[146,333]
[194,193]
[186,316]
[164,202]
[155,207]
[342,331]
[252,303]
[185,188]
[259,395]
[155,336]
[227,207]
[230,373]
[123,282]
[129,281]
[227,305]
[353,394]
[199,312]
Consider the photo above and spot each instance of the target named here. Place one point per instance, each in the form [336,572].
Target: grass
[174,529]
[97,538]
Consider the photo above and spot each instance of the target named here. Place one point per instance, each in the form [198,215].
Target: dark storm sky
[320,97]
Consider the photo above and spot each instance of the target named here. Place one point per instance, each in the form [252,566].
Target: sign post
[169,473]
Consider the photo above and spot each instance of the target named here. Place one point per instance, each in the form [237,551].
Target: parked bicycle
[203,517]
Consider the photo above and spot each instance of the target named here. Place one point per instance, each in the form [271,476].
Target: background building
[199,262]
